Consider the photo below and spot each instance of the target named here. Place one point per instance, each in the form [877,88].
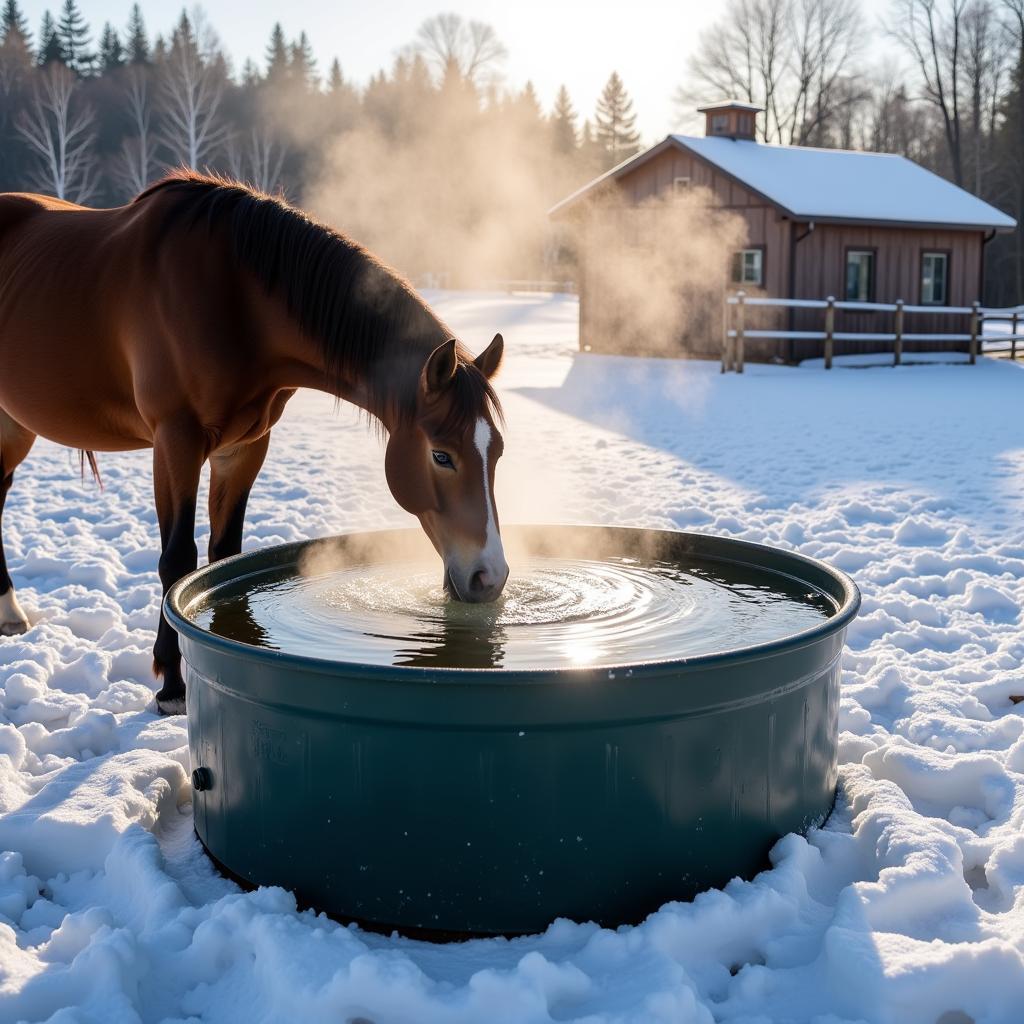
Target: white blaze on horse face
[492,554]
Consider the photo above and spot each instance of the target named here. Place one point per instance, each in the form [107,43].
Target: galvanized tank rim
[714,548]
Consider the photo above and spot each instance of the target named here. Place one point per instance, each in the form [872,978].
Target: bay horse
[184,322]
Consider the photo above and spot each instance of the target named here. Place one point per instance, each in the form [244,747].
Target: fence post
[897,351]
[740,296]
[975,325]
[1013,336]
[726,347]
[830,328]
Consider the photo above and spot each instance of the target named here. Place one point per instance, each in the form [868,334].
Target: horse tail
[84,455]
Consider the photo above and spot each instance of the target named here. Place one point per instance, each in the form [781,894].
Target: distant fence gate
[736,332]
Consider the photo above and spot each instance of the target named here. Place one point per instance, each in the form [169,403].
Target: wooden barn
[862,227]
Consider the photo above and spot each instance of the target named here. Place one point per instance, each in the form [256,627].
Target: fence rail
[736,335]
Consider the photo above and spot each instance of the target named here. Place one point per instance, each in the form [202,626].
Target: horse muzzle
[481,585]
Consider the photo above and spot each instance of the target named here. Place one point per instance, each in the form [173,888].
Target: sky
[549,43]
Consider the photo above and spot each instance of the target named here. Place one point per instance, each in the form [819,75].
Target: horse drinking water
[185,321]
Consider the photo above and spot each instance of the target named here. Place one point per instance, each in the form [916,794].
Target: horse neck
[392,346]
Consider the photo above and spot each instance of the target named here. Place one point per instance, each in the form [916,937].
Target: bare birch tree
[741,57]
[59,133]
[986,47]
[138,163]
[191,87]
[257,159]
[451,44]
[895,122]
[932,32]
[792,57]
[826,39]
[1014,10]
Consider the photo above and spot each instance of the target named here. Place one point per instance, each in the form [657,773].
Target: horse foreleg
[232,474]
[15,443]
[178,456]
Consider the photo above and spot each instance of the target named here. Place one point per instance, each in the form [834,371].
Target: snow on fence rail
[732,344]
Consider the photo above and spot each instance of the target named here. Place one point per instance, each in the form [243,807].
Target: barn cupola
[731,119]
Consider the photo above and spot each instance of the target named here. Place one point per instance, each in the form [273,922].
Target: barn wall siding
[821,270]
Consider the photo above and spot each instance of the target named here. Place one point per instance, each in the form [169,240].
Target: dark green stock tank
[640,717]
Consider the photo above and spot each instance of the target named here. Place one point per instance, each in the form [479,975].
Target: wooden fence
[736,333]
[1014,319]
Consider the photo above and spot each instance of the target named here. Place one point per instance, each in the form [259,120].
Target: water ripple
[554,613]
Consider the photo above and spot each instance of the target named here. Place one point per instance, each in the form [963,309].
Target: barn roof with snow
[835,185]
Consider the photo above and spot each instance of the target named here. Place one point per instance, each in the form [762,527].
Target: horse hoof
[171,705]
[15,628]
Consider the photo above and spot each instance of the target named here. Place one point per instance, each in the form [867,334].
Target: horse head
[440,467]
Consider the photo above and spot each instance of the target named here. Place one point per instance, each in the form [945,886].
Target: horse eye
[443,459]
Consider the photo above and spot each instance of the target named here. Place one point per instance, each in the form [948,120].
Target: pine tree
[16,60]
[342,105]
[302,63]
[335,79]
[184,37]
[111,50]
[277,55]
[13,22]
[528,103]
[563,122]
[592,154]
[73,33]
[339,86]
[250,74]
[420,82]
[137,44]
[50,48]
[615,121]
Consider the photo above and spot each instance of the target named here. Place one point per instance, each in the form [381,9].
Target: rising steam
[653,275]
[456,199]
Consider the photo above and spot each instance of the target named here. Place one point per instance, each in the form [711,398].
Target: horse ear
[440,366]
[490,359]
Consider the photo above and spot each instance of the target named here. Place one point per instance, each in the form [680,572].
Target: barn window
[748,267]
[860,275]
[680,184]
[719,124]
[934,278]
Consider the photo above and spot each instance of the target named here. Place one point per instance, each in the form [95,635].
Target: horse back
[114,320]
[63,351]
[17,207]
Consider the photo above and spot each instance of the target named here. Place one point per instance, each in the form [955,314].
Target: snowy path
[908,907]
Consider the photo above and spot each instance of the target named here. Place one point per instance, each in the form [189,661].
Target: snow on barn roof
[846,185]
[730,105]
[831,184]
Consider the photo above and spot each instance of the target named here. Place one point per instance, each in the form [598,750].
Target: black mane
[342,296]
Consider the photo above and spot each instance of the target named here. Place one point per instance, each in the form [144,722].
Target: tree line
[95,116]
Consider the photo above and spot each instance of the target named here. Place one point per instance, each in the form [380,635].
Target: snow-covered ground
[908,907]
